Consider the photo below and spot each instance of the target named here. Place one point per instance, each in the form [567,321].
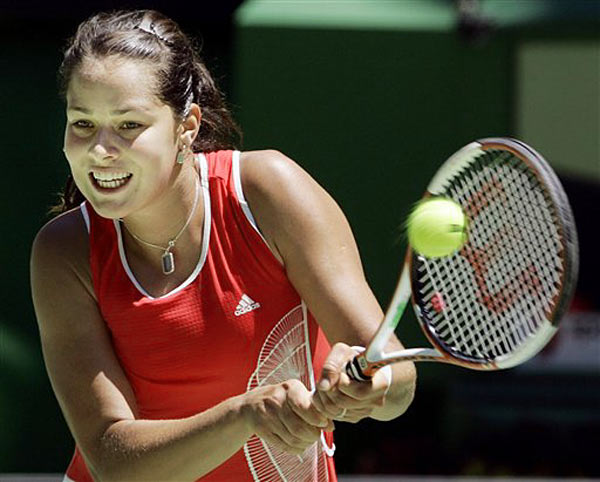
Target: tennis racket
[498,300]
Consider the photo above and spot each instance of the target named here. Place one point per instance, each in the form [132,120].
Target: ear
[190,125]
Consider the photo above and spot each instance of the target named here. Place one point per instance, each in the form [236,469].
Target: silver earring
[181,155]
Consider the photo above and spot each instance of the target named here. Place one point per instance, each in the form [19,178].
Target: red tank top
[234,324]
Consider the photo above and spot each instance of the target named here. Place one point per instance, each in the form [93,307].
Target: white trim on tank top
[86,215]
[239,192]
[201,161]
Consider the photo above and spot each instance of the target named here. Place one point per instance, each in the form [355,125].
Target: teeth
[112,184]
[110,176]
[111,180]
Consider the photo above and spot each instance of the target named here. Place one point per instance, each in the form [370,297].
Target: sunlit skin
[117,126]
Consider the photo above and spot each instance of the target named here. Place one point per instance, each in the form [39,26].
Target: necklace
[167,258]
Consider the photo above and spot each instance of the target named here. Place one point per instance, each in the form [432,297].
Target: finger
[298,429]
[355,416]
[287,426]
[300,402]
[311,416]
[334,365]
[318,406]
[315,418]
[325,405]
[275,435]
[337,413]
[337,398]
[331,409]
[374,389]
[294,433]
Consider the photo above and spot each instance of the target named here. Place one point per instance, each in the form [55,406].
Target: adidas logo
[245,305]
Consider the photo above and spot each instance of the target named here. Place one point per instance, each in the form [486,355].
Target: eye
[82,124]
[129,125]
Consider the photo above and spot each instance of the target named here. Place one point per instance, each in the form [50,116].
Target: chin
[109,210]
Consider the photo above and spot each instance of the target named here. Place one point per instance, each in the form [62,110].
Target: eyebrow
[114,112]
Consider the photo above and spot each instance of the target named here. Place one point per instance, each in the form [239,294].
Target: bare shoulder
[60,252]
[283,197]
[271,177]
[63,233]
[262,168]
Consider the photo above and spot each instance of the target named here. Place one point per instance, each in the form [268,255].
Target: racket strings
[502,285]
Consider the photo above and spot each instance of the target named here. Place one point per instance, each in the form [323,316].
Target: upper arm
[309,231]
[87,379]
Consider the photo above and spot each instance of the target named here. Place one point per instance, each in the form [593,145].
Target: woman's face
[120,138]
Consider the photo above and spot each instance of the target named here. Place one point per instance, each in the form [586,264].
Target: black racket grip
[354,371]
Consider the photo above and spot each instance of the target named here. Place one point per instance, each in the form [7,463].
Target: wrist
[400,393]
[243,408]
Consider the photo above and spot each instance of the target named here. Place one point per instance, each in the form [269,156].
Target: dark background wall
[371,102]
[370,113]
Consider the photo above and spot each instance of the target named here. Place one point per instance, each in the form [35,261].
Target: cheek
[74,149]
[73,145]
[154,140]
[154,149]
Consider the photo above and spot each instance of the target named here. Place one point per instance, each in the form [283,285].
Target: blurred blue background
[370,97]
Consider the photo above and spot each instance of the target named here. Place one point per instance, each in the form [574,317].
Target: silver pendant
[168,262]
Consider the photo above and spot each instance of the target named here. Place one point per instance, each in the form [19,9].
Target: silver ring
[343,413]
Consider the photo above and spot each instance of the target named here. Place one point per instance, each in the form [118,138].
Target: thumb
[334,365]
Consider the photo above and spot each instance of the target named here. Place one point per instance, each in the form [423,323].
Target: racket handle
[354,370]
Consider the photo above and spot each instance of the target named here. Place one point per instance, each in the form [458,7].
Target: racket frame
[364,365]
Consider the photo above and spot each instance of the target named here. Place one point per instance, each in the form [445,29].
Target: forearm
[183,449]
[400,394]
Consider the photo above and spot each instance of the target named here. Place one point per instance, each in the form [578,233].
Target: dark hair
[182,77]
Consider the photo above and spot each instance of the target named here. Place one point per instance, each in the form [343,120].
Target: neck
[169,230]
[161,220]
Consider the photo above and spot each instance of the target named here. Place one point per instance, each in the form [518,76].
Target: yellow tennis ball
[437,227]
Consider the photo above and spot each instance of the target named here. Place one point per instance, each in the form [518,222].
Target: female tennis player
[178,271]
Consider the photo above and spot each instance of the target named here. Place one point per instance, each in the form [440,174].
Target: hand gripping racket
[498,300]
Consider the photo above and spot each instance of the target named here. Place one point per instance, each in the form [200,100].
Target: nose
[104,146]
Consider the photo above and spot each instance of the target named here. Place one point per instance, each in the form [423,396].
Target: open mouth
[110,182]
